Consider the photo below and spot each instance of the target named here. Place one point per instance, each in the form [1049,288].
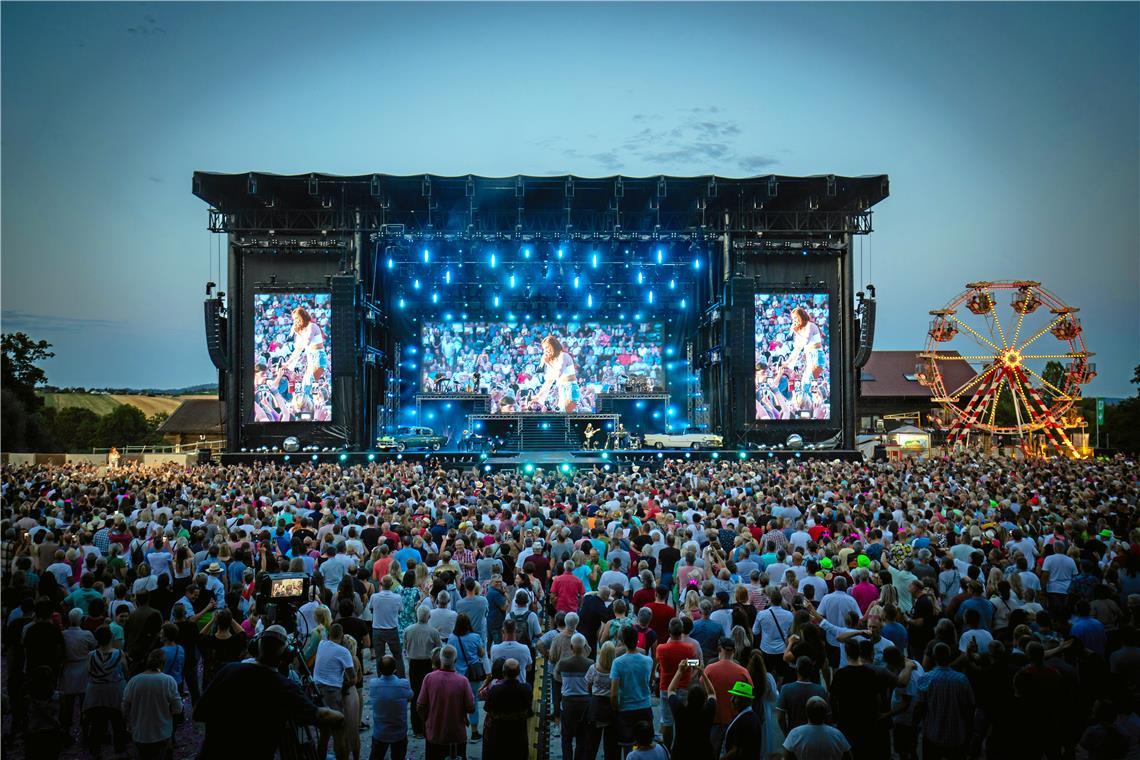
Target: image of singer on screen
[560,373]
[793,372]
[291,358]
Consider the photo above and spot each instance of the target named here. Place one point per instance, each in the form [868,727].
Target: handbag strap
[776,620]
[463,651]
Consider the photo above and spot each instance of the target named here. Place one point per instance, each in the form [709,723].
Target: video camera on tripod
[279,595]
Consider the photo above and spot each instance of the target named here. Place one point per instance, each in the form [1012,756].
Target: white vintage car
[692,438]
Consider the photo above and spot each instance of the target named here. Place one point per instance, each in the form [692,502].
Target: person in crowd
[444,704]
[420,640]
[469,663]
[815,740]
[390,694]
[693,712]
[103,700]
[151,704]
[227,710]
[508,708]
[744,736]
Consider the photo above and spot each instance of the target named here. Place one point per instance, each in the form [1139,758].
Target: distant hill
[104,403]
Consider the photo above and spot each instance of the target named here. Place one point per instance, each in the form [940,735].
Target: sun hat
[825,563]
[741,689]
[214,569]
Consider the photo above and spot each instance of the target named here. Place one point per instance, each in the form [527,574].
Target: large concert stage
[511,312]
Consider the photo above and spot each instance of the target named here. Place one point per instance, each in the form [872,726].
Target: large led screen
[291,361]
[541,366]
[793,356]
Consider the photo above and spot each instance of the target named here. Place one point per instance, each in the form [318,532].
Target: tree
[22,424]
[1054,374]
[18,371]
[76,429]
[1121,428]
[126,425]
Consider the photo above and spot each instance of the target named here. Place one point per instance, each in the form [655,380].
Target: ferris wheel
[1008,331]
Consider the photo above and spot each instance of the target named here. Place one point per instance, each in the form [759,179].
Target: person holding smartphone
[693,711]
[671,656]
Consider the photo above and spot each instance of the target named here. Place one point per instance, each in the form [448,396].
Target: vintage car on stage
[408,437]
[692,438]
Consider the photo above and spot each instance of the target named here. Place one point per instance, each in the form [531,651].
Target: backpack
[642,638]
[137,556]
[522,628]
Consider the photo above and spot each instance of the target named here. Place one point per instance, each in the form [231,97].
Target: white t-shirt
[980,635]
[331,663]
[821,742]
[1061,569]
[513,650]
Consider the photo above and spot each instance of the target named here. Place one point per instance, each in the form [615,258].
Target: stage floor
[544,459]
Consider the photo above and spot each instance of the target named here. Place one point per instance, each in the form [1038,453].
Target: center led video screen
[793,356]
[541,366]
[291,359]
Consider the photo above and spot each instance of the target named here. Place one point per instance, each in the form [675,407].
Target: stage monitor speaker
[343,324]
[217,343]
[866,333]
[205,456]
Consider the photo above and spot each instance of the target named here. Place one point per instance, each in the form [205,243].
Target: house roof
[196,415]
[887,374]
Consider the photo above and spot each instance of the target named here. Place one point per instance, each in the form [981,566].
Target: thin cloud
[13,320]
[757,162]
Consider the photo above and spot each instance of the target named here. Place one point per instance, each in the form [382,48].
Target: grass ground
[104,404]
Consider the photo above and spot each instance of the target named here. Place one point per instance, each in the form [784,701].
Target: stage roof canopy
[662,204]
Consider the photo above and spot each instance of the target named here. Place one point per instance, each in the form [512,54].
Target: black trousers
[417,671]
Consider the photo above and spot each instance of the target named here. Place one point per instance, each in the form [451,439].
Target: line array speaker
[343,324]
[217,344]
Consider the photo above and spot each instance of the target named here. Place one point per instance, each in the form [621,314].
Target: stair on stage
[543,432]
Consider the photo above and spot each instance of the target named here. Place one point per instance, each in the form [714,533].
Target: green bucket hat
[741,689]
[864,560]
[825,563]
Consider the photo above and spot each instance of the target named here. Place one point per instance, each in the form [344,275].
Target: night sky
[1011,134]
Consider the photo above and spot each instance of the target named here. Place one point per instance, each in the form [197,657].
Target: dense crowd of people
[940,608]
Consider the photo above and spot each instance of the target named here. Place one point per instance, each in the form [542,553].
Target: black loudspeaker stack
[217,344]
[343,324]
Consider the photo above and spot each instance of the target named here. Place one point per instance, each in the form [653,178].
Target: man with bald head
[508,706]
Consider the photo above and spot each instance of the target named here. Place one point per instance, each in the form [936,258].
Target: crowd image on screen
[793,356]
[507,357]
[291,357]
[964,605]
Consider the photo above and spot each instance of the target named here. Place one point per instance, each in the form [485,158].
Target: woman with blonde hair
[692,605]
[601,717]
[346,737]
[319,633]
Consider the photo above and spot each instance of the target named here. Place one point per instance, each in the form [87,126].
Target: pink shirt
[865,594]
[448,698]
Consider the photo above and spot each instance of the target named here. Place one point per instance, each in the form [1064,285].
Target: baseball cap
[276,632]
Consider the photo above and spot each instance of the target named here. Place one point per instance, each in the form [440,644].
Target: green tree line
[27,425]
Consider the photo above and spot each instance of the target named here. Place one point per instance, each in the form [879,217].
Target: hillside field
[103,404]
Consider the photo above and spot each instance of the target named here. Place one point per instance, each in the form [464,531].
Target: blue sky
[1011,134]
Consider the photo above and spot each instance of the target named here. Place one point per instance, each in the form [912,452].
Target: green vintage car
[408,437]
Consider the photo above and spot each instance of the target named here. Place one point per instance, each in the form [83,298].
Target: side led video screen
[291,360]
[793,356]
